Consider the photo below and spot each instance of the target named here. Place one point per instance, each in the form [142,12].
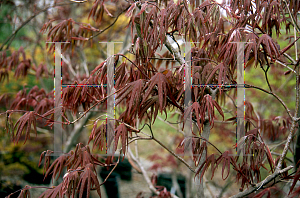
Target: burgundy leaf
[88,180]
[26,120]
[210,161]
[121,132]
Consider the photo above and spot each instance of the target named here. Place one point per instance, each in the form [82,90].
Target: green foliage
[16,169]
[6,27]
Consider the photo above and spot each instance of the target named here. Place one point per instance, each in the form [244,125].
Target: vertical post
[111,99]
[240,99]
[58,131]
[110,112]
[187,98]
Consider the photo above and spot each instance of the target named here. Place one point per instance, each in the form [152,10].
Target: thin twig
[282,64]
[133,64]
[101,31]
[170,125]
[84,63]
[161,144]
[27,188]
[292,17]
[136,143]
[112,169]
[138,138]
[289,57]
[76,132]
[10,38]
[150,185]
[174,154]
[273,94]
[266,70]
[67,61]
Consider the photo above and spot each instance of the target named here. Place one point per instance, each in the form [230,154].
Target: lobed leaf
[121,132]
[88,180]
[210,161]
[27,119]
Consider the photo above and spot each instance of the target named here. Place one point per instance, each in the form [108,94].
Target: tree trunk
[205,134]
[198,184]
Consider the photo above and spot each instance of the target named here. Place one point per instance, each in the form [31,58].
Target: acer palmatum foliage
[147,85]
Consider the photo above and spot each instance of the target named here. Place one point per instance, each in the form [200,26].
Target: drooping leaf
[98,135]
[57,167]
[268,43]
[71,181]
[81,157]
[26,120]
[269,157]
[47,155]
[25,193]
[208,105]
[88,180]
[133,93]
[56,191]
[97,11]
[295,180]
[227,158]
[221,76]
[121,132]
[197,110]
[161,82]
[198,150]
[210,161]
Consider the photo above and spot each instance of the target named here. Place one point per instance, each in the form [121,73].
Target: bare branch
[68,62]
[174,154]
[76,132]
[144,172]
[262,183]
[292,17]
[273,94]
[291,133]
[11,37]
[109,26]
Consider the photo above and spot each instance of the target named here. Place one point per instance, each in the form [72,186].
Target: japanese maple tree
[150,78]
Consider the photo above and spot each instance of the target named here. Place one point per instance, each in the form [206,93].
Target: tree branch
[161,144]
[76,132]
[292,17]
[205,134]
[174,154]
[294,120]
[98,102]
[144,172]
[68,62]
[262,183]
[109,26]
[11,37]
[173,51]
[273,94]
